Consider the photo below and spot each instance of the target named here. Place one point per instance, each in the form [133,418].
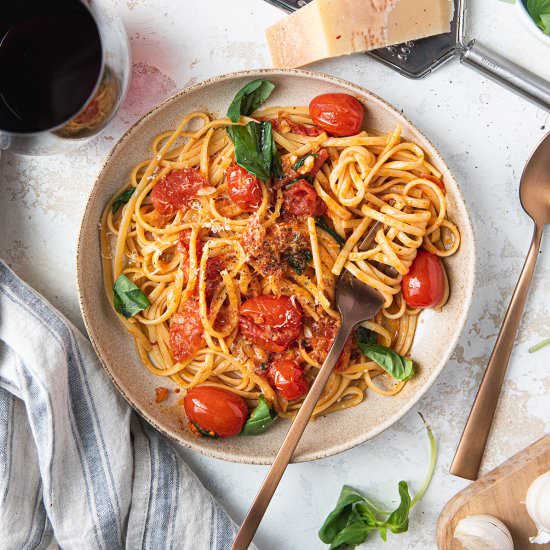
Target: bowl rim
[348,443]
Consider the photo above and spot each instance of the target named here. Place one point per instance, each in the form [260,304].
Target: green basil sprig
[397,366]
[539,10]
[300,162]
[122,199]
[249,98]
[355,516]
[255,149]
[323,224]
[129,300]
[260,419]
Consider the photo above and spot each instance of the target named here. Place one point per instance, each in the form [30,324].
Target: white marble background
[484,132]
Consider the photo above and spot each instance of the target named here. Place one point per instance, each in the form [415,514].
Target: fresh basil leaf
[539,10]
[397,366]
[212,435]
[260,419]
[249,98]
[122,199]
[351,536]
[255,149]
[398,522]
[128,298]
[338,518]
[298,260]
[323,224]
[300,162]
[365,336]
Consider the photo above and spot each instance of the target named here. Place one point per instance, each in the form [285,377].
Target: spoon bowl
[534,190]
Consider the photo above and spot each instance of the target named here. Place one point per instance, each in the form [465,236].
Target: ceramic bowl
[437,333]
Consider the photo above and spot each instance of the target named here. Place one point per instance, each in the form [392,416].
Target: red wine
[50,62]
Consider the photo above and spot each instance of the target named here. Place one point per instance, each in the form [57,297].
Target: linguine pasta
[212,254]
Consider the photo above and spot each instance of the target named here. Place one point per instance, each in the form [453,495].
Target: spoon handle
[474,437]
[263,498]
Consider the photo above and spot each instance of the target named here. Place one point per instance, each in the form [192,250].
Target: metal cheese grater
[418,58]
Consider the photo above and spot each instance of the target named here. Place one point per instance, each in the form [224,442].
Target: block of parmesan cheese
[329,28]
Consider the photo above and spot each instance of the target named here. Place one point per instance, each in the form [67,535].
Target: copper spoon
[534,194]
[356,302]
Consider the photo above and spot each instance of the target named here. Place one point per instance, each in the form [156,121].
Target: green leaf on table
[255,149]
[539,10]
[122,199]
[398,522]
[249,98]
[128,299]
[260,419]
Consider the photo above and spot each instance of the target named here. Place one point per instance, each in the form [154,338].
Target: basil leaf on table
[122,199]
[260,419]
[355,516]
[539,10]
[323,224]
[255,149]
[128,299]
[249,98]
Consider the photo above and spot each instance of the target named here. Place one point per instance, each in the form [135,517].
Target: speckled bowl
[437,332]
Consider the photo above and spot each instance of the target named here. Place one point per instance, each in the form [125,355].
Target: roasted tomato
[301,199]
[338,114]
[425,285]
[292,175]
[243,188]
[186,331]
[436,180]
[271,322]
[284,124]
[184,242]
[218,412]
[177,190]
[287,377]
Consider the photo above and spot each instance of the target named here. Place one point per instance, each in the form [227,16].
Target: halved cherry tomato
[284,124]
[186,331]
[271,322]
[424,286]
[338,114]
[184,241]
[214,410]
[177,190]
[301,199]
[287,377]
[433,178]
[243,188]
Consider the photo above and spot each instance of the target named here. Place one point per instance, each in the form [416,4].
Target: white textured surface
[484,132]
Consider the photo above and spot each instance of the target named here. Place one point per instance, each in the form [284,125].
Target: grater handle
[503,71]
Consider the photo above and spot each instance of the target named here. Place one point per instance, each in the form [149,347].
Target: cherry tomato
[271,322]
[177,190]
[436,180]
[322,336]
[424,286]
[287,377]
[243,188]
[338,114]
[184,242]
[186,331]
[284,124]
[301,199]
[215,410]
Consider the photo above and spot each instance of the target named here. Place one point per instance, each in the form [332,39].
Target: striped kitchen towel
[76,463]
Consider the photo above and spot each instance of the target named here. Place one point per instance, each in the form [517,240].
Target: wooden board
[501,494]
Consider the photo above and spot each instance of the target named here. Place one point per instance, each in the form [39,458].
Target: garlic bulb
[538,507]
[483,533]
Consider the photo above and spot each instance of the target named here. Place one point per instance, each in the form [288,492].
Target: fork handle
[263,498]
[474,438]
